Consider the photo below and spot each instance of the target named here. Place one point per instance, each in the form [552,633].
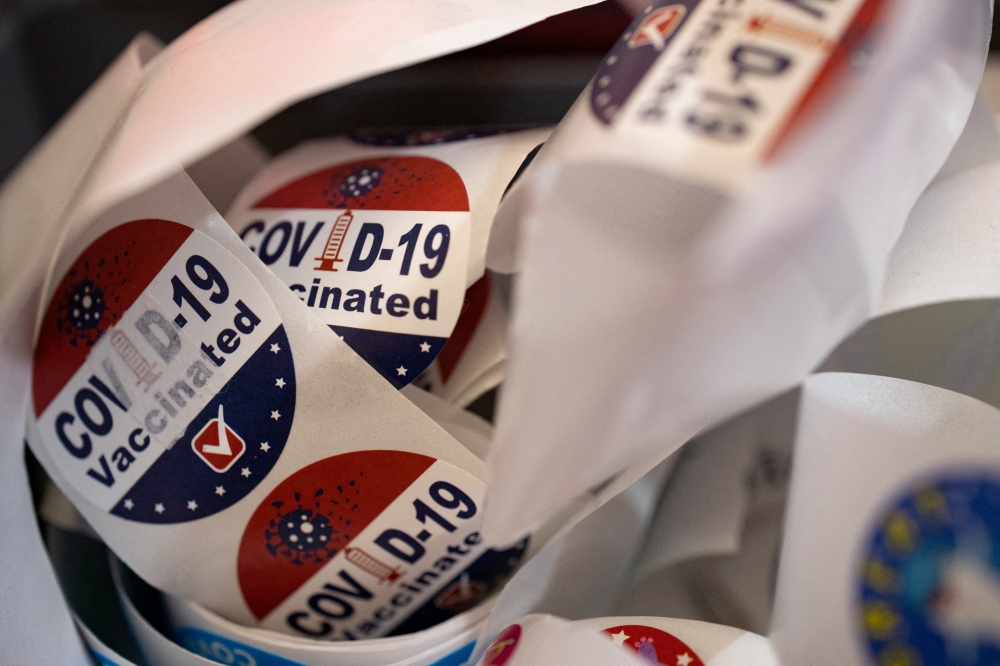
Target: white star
[280,382]
[341,337]
[619,638]
[245,472]
[265,447]
[275,348]
[158,508]
[684,659]
[129,504]
[192,505]
[425,347]
[220,491]
[401,371]
[275,415]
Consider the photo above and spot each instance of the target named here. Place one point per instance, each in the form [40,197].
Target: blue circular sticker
[929,588]
[377,248]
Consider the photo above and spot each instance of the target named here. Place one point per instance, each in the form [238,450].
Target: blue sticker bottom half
[931,574]
[398,357]
[466,589]
[258,404]
[227,651]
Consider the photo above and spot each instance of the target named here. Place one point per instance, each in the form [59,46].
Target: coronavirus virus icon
[361,182]
[300,534]
[80,312]
[644,646]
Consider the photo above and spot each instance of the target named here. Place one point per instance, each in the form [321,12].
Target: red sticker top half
[97,289]
[382,183]
[338,497]
[654,645]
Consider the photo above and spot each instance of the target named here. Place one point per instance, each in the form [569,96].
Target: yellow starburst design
[931,504]
[900,532]
[880,577]
[880,620]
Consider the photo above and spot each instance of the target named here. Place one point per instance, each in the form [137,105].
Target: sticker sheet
[938,316]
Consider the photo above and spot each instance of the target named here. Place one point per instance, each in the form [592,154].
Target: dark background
[52,50]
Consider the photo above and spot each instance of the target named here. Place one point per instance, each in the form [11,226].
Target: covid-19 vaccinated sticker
[929,589]
[377,248]
[163,383]
[368,544]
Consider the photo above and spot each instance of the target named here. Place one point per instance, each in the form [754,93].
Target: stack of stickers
[241,398]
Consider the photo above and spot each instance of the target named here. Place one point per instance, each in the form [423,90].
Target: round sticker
[930,575]
[352,545]
[502,648]
[633,55]
[654,645]
[163,384]
[378,249]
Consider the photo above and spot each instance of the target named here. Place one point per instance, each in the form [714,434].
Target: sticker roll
[232,450]
[193,626]
[383,236]
[199,637]
[717,528]
[937,320]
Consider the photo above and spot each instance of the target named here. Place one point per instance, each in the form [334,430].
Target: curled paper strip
[104,655]
[131,130]
[161,651]
[450,640]
[202,638]
[710,220]
[935,324]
